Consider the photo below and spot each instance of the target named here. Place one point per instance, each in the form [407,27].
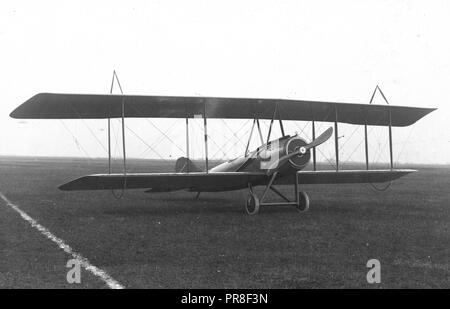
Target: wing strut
[109,145]
[187,143]
[250,138]
[391,156]
[336,142]
[259,130]
[275,111]
[391,151]
[205,125]
[109,125]
[314,149]
[123,139]
[313,127]
[116,78]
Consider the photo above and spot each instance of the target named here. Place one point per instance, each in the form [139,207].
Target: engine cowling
[294,144]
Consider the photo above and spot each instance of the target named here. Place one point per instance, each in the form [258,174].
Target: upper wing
[345,176]
[88,106]
[163,181]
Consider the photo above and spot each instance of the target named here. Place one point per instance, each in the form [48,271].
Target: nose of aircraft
[294,155]
[297,144]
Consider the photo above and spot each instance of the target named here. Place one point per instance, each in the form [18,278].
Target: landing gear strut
[253,203]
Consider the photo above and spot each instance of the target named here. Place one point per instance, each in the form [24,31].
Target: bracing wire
[304,127]
[209,139]
[405,141]
[234,134]
[145,143]
[159,130]
[157,142]
[357,146]
[90,130]
[77,143]
[349,138]
[233,146]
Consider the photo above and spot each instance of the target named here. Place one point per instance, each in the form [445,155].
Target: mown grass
[170,240]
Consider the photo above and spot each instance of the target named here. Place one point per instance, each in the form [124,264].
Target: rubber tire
[252,204]
[303,202]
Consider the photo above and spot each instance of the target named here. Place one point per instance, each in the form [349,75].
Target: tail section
[184,165]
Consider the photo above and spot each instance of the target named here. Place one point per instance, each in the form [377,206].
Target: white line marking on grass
[113,284]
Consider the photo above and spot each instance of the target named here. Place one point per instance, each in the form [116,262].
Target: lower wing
[345,176]
[165,182]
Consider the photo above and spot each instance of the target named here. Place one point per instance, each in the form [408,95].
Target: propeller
[302,150]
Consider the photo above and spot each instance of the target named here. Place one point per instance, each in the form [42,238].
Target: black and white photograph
[225,149]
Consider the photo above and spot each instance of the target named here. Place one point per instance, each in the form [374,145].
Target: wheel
[303,202]
[252,204]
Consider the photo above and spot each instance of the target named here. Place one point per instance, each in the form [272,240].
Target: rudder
[184,165]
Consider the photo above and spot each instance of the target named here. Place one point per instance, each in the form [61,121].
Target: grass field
[170,240]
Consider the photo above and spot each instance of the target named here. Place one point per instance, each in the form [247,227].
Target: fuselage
[259,160]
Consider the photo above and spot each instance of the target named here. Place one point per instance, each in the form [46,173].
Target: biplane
[275,162]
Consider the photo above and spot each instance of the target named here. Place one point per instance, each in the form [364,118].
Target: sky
[309,50]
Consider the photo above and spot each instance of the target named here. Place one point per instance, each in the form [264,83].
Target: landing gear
[302,202]
[252,204]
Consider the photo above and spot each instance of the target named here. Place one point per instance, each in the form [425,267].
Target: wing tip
[13,114]
[18,112]
[75,184]
[65,186]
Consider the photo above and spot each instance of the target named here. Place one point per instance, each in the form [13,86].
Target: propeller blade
[318,141]
[321,139]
